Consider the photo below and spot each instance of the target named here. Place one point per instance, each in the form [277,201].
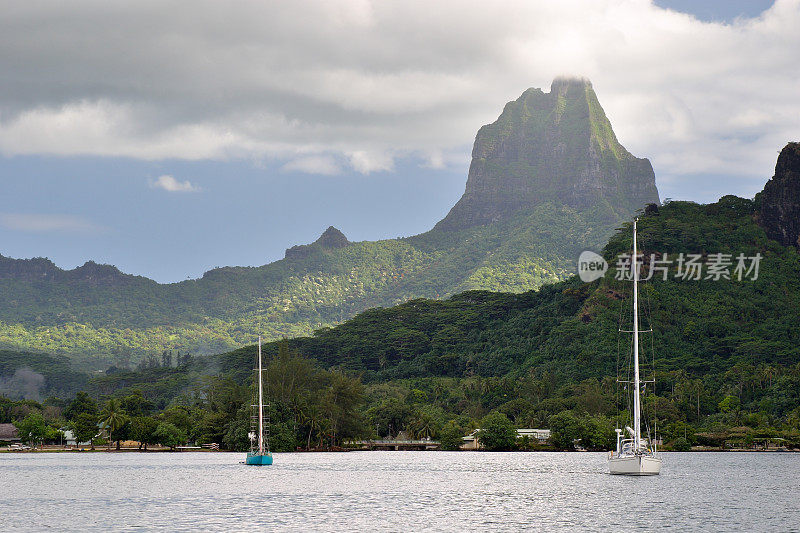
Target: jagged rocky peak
[330,239]
[778,205]
[554,147]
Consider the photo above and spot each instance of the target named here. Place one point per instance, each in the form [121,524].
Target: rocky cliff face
[778,205]
[551,147]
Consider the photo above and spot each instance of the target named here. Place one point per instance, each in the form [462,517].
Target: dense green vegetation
[96,310]
[548,179]
[309,407]
[727,356]
[34,375]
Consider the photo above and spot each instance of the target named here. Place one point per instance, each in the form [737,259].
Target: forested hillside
[570,328]
[548,180]
[727,362]
[37,376]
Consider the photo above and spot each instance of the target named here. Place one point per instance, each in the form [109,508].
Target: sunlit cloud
[170,184]
[366,162]
[323,165]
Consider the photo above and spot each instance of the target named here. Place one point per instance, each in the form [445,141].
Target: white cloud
[324,165]
[365,81]
[48,223]
[366,161]
[170,184]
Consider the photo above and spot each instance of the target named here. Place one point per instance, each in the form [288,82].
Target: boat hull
[635,465]
[257,460]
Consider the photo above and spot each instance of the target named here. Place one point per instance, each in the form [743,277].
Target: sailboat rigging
[634,455]
[259,453]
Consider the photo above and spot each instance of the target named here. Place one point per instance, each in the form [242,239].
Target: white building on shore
[470,442]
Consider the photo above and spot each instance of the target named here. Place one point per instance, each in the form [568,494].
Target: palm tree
[313,416]
[113,418]
[421,425]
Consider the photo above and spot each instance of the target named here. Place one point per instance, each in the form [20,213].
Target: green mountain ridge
[559,183]
[570,328]
[727,352]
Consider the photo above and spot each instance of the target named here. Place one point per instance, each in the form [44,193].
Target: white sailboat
[634,456]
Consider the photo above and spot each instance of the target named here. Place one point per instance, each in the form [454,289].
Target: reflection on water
[358,491]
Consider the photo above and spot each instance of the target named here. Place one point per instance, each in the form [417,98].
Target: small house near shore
[9,433]
[470,442]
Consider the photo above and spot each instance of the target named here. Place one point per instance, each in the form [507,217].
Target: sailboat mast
[261,404]
[636,400]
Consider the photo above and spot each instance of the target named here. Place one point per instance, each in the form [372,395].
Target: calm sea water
[394,491]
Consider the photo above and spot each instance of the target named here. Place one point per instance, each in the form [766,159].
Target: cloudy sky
[171,137]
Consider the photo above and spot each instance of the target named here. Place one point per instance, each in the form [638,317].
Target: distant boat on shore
[259,453]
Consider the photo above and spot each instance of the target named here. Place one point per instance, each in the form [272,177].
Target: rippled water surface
[393,491]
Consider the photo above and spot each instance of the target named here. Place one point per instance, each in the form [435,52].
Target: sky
[169,141]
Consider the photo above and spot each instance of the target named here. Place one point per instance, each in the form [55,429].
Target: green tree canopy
[169,435]
[729,403]
[497,433]
[82,403]
[450,436]
[681,445]
[565,429]
[32,429]
[84,426]
[143,429]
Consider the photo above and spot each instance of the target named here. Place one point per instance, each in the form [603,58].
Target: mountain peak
[556,147]
[330,239]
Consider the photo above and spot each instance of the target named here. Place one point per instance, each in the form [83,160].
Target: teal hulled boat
[254,458]
[259,453]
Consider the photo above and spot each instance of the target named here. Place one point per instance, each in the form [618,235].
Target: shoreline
[207,450]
